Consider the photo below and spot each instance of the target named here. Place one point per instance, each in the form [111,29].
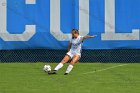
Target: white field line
[100,70]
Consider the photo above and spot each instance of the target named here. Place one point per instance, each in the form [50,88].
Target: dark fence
[45,55]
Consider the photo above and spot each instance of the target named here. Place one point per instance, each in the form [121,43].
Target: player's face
[74,35]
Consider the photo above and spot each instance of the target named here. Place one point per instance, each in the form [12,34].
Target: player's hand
[94,35]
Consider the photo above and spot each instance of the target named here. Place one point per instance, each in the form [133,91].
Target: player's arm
[87,36]
[69,46]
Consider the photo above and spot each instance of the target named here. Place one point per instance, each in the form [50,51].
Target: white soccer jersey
[77,44]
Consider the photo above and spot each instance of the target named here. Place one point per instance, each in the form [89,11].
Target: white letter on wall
[55,19]
[84,17]
[4,34]
[110,25]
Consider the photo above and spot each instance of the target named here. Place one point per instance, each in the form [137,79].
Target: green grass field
[85,78]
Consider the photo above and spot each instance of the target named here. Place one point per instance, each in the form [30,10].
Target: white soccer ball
[47,68]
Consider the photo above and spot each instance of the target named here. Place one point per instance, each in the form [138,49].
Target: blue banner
[35,24]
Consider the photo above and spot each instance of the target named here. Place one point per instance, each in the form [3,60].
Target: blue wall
[18,14]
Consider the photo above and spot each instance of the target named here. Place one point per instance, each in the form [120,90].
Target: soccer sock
[70,67]
[60,65]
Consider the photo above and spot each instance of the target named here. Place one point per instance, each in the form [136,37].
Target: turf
[99,78]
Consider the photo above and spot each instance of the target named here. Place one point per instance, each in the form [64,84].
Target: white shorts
[73,53]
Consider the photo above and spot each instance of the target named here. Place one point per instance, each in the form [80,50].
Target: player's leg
[74,60]
[64,60]
[60,65]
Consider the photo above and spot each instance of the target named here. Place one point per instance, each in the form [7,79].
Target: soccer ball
[47,68]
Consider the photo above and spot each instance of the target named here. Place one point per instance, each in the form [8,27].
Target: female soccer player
[74,52]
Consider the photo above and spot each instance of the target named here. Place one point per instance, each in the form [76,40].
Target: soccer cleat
[52,72]
[66,73]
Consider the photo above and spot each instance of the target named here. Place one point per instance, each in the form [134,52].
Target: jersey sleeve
[81,38]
